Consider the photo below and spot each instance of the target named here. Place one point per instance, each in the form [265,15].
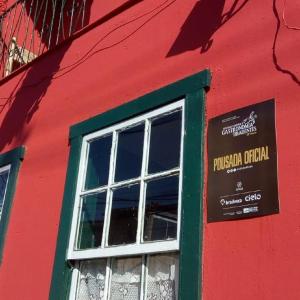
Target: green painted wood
[12,158]
[61,276]
[192,193]
[155,99]
[191,88]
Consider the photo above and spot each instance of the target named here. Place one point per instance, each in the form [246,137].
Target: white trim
[134,121]
[143,276]
[139,232]
[145,287]
[126,250]
[179,207]
[77,205]
[107,279]
[131,249]
[74,284]
[4,170]
[131,181]
[112,168]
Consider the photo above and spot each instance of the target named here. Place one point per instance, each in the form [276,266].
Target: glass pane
[130,153]
[92,280]
[162,280]
[3,183]
[161,209]
[126,278]
[98,162]
[91,221]
[124,214]
[165,143]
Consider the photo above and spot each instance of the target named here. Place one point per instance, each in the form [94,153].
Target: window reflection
[130,153]
[3,184]
[91,221]
[98,162]
[165,143]
[124,214]
[161,209]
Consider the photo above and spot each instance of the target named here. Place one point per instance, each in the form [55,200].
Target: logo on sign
[239,186]
[247,126]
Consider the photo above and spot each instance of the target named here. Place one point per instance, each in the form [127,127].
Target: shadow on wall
[206,17]
[25,99]
[26,96]
[275,59]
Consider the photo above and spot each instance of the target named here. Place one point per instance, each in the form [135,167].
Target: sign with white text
[242,163]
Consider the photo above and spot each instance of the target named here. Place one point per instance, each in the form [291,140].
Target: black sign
[242,163]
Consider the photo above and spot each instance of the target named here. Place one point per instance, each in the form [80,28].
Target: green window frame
[12,159]
[193,90]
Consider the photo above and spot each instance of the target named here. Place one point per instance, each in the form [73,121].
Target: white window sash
[126,250]
[138,247]
[3,170]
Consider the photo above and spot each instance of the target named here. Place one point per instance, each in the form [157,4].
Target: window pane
[161,209]
[91,221]
[162,279]
[124,213]
[130,153]
[165,143]
[126,278]
[92,280]
[3,183]
[98,162]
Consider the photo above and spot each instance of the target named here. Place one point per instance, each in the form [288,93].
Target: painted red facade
[252,51]
[3,5]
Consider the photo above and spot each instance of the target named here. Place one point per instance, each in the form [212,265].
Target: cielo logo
[253,197]
[247,126]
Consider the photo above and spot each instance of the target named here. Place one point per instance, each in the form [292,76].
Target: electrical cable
[161,7]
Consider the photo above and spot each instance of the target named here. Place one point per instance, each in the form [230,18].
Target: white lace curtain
[161,281]
[92,280]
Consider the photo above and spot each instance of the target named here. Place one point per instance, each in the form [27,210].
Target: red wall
[3,4]
[253,57]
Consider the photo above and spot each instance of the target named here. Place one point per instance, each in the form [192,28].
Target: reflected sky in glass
[3,184]
[91,221]
[98,162]
[130,153]
[161,209]
[165,143]
[124,214]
